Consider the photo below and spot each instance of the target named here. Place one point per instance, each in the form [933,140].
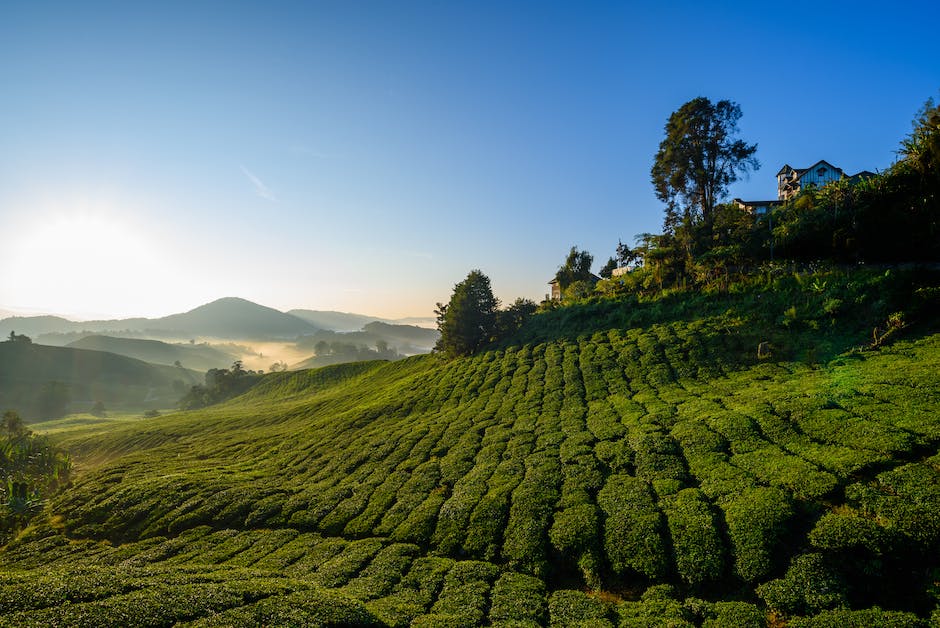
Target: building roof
[800,171]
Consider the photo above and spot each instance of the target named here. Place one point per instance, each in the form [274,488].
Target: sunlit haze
[365,156]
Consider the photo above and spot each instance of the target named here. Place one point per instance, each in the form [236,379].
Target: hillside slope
[196,357]
[82,377]
[632,476]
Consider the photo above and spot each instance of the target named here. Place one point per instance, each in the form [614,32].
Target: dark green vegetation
[622,462]
[199,357]
[43,382]
[892,217]
[221,385]
[32,469]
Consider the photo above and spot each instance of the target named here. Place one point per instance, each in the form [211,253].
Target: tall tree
[469,320]
[697,161]
[577,267]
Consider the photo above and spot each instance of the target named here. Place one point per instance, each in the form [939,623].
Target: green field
[620,463]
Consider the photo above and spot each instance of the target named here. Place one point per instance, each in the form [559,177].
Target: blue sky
[364,156]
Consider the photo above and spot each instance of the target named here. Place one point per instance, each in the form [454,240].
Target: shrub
[699,551]
[632,528]
[574,608]
[809,586]
[734,615]
[517,597]
[756,520]
[868,618]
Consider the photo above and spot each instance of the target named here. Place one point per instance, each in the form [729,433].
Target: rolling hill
[194,357]
[622,462]
[349,322]
[229,318]
[40,381]
[236,318]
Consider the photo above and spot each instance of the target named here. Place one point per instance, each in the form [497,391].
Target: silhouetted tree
[577,267]
[515,316]
[12,424]
[468,320]
[698,159]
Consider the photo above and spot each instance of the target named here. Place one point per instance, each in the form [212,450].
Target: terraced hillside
[656,474]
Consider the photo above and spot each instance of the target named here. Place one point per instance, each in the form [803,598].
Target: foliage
[468,321]
[31,470]
[577,268]
[221,384]
[635,449]
[697,161]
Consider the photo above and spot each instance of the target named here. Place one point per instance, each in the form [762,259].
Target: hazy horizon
[7,311]
[365,157]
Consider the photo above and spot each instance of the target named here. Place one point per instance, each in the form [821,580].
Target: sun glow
[84,261]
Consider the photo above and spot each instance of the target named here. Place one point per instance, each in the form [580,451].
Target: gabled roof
[819,163]
[801,171]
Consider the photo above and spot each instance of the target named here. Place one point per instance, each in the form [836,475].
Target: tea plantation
[620,463]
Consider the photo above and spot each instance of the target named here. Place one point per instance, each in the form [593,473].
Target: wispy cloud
[261,189]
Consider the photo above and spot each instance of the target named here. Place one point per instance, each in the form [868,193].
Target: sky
[365,156]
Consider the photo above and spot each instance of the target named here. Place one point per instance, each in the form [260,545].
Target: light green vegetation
[630,475]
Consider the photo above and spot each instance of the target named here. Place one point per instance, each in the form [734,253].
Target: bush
[699,551]
[633,527]
[869,618]
[756,520]
[517,597]
[574,609]
[809,586]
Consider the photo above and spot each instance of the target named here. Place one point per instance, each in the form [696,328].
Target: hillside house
[791,181]
[556,289]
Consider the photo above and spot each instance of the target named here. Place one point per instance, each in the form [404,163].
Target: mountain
[197,357]
[35,325]
[620,462]
[346,321]
[334,321]
[236,318]
[40,381]
[229,318]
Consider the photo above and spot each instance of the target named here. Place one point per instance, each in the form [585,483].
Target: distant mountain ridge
[197,357]
[228,318]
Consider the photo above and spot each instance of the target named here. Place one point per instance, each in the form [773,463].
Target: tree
[12,425]
[468,321]
[577,267]
[697,161]
[608,270]
[514,317]
[14,337]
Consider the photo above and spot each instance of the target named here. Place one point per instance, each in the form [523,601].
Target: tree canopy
[577,267]
[469,320]
[698,159]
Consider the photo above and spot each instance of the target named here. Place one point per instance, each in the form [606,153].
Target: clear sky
[364,156]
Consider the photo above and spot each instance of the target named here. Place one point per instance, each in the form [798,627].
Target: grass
[640,465]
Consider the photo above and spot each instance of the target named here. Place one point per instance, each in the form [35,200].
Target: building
[556,288]
[756,207]
[791,181]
